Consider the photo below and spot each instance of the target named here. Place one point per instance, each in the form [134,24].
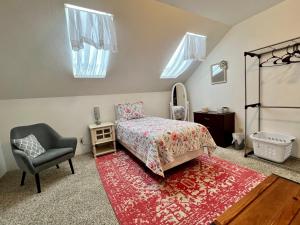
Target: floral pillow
[129,111]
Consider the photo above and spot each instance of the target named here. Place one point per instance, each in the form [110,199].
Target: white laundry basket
[271,146]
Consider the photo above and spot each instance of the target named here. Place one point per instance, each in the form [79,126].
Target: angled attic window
[92,37]
[192,48]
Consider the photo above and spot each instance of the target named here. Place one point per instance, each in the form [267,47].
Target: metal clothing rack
[258,53]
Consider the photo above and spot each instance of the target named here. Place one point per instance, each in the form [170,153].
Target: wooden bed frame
[179,160]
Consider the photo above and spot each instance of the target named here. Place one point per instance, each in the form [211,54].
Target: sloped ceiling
[35,56]
[229,12]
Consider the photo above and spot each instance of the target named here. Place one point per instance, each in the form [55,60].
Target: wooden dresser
[220,125]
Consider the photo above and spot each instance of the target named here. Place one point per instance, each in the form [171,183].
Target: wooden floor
[275,201]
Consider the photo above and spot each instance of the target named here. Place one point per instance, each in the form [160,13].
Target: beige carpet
[65,198]
[237,157]
[80,198]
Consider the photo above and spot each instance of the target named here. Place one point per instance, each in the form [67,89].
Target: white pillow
[30,145]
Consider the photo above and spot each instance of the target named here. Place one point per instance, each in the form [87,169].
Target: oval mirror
[179,105]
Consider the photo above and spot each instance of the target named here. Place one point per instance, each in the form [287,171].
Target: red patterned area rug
[193,193]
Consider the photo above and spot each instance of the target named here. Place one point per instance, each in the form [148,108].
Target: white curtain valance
[97,30]
[194,47]
[191,48]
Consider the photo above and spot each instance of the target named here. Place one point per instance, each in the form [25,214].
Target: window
[192,48]
[92,38]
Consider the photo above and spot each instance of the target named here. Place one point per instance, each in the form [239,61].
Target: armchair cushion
[51,155]
[30,145]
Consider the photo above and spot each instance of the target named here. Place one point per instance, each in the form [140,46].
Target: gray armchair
[58,149]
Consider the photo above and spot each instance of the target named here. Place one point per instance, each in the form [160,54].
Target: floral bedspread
[157,141]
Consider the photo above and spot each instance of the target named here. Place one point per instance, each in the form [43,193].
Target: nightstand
[103,138]
[220,126]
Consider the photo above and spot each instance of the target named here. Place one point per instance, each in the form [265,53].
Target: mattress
[157,141]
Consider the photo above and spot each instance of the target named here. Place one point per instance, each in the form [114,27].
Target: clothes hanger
[272,57]
[287,57]
[296,52]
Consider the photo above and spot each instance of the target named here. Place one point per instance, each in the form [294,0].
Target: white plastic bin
[272,146]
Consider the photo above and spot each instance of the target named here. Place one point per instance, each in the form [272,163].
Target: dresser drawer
[209,120]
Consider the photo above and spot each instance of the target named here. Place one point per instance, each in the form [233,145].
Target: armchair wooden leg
[23,178]
[71,165]
[37,181]
[57,166]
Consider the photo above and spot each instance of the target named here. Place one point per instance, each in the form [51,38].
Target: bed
[163,143]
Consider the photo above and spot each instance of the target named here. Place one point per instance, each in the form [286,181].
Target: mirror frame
[223,66]
[186,107]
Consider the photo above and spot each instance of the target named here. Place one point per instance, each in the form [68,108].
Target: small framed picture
[219,72]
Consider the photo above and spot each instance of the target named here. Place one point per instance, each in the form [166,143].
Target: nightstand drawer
[103,140]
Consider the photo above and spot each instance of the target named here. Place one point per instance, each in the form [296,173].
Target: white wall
[2,163]
[280,85]
[70,116]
